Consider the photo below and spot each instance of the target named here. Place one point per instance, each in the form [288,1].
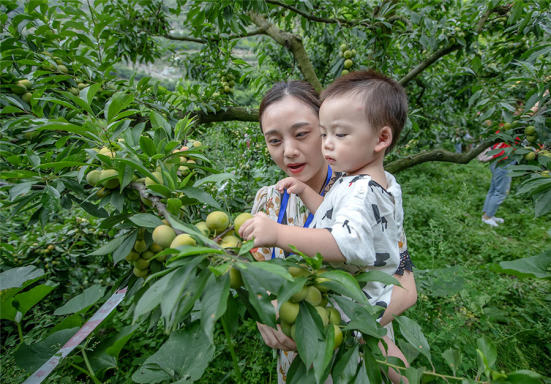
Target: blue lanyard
[285,200]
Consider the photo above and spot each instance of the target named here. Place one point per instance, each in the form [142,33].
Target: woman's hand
[292,185]
[263,229]
[276,339]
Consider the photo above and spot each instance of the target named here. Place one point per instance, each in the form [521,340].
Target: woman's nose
[290,150]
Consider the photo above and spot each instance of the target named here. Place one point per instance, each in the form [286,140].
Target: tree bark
[232,114]
[294,44]
[438,155]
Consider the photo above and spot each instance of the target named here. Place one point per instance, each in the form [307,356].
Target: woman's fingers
[276,339]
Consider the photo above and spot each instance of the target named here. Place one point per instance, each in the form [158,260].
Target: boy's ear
[384,139]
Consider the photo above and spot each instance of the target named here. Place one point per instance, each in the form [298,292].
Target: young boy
[358,224]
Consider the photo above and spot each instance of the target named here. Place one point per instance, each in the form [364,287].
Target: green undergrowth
[461,300]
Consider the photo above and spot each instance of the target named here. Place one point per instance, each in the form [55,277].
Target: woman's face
[292,134]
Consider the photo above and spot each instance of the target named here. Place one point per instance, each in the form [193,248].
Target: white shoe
[490,221]
[498,220]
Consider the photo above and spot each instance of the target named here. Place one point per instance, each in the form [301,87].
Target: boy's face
[348,142]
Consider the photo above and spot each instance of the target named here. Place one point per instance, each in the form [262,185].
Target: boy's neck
[375,170]
[318,181]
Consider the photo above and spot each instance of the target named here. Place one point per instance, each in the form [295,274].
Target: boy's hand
[292,185]
[263,229]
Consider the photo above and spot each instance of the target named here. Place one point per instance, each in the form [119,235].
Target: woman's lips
[296,168]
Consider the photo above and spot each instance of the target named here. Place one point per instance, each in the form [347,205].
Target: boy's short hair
[386,102]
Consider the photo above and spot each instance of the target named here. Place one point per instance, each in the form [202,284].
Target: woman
[288,116]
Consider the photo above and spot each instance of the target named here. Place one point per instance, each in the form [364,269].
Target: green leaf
[408,350]
[88,93]
[106,354]
[489,350]
[258,296]
[32,357]
[524,377]
[246,247]
[118,102]
[125,247]
[453,358]
[158,121]
[414,375]
[214,179]
[377,276]
[202,196]
[413,333]
[148,146]
[531,267]
[344,370]
[146,220]
[214,302]
[24,302]
[153,296]
[307,334]
[186,354]
[20,189]
[110,247]
[344,284]
[81,303]
[15,279]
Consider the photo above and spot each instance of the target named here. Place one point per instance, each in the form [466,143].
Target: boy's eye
[323,135]
[341,135]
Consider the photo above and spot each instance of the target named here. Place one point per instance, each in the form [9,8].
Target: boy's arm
[268,233]
[309,197]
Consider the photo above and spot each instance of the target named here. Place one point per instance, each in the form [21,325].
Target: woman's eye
[302,134]
[273,141]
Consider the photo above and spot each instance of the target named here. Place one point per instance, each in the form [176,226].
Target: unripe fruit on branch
[63,69]
[343,47]
[158,175]
[102,193]
[288,312]
[81,86]
[19,89]
[334,316]
[26,83]
[345,72]
[74,91]
[299,296]
[530,156]
[140,246]
[299,272]
[164,235]
[530,130]
[240,220]
[286,328]
[27,97]
[148,254]
[532,139]
[203,227]
[155,248]
[140,272]
[93,177]
[112,183]
[323,314]
[348,63]
[141,263]
[338,336]
[230,242]
[183,239]
[236,280]
[313,296]
[347,54]
[132,256]
[218,221]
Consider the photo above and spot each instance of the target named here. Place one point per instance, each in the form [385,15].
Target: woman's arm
[402,298]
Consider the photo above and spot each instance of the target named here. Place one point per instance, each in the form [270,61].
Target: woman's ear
[384,139]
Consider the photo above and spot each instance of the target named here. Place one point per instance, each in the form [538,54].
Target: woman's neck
[318,181]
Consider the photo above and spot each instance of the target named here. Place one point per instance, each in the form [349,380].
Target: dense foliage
[87,155]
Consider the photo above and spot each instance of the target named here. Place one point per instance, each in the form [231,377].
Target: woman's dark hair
[301,90]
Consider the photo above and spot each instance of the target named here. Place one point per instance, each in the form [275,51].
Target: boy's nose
[328,144]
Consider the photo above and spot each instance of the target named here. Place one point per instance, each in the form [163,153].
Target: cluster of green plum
[164,237]
[314,294]
[348,56]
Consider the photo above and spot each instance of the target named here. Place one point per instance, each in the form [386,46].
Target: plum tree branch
[255,32]
[451,48]
[231,114]
[438,155]
[294,44]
